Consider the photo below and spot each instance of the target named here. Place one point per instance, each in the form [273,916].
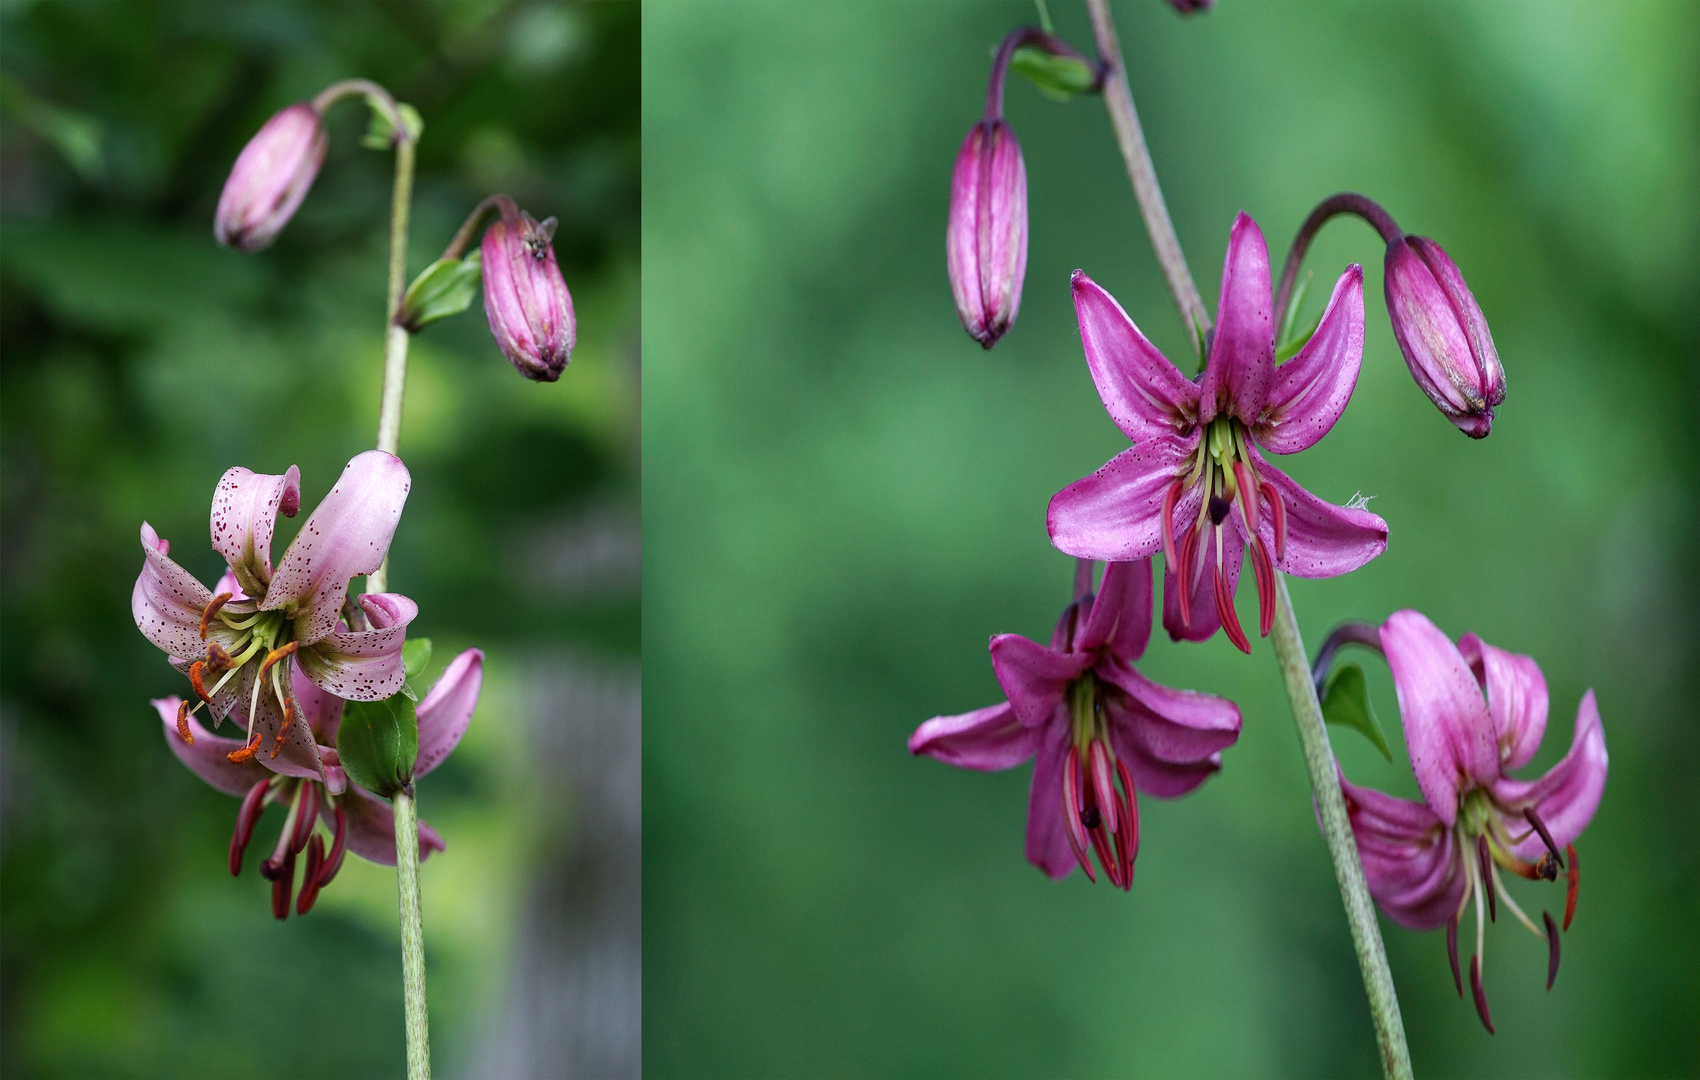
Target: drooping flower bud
[1443,335]
[1192,7]
[270,178]
[525,297]
[986,243]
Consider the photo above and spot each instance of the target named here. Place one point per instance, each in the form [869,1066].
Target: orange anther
[211,609]
[277,654]
[195,681]
[217,659]
[247,752]
[288,719]
[183,723]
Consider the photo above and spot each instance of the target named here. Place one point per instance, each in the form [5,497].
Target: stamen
[339,841]
[211,609]
[288,722]
[1130,822]
[1103,783]
[1546,837]
[195,681]
[310,876]
[1072,813]
[1265,577]
[1225,604]
[1546,869]
[1452,954]
[1186,574]
[1487,878]
[247,752]
[1279,513]
[1170,499]
[1247,495]
[1511,904]
[306,817]
[278,654]
[1481,995]
[183,731]
[282,886]
[1575,880]
[1552,948]
[1218,509]
[247,817]
[217,659]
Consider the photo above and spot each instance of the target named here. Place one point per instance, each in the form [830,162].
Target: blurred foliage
[844,496]
[140,360]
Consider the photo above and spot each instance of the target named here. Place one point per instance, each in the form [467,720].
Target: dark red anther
[1277,511]
[1185,574]
[1575,880]
[1170,498]
[1130,807]
[1265,576]
[1546,837]
[1487,878]
[333,861]
[1225,605]
[305,817]
[1481,995]
[1552,948]
[282,885]
[1452,954]
[1072,811]
[1247,495]
[246,818]
[310,876]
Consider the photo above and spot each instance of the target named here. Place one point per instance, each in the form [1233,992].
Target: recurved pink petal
[1517,698]
[167,601]
[1178,727]
[1145,394]
[1121,612]
[1047,842]
[1409,856]
[447,710]
[1447,727]
[1242,352]
[1162,779]
[371,827]
[1310,391]
[1567,796]
[347,535]
[1205,621]
[986,739]
[1116,514]
[1033,677]
[244,514]
[364,665]
[1323,540]
[208,758]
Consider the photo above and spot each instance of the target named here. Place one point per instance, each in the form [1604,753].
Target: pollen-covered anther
[195,681]
[247,752]
[212,609]
[277,654]
[288,720]
[183,731]
[217,659]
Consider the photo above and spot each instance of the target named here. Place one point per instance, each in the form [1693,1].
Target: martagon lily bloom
[1097,728]
[1195,483]
[243,644]
[354,819]
[1471,713]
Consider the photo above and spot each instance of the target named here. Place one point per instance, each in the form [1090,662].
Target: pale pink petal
[1178,727]
[371,827]
[986,739]
[347,535]
[364,665]
[1517,698]
[209,757]
[244,514]
[1567,796]
[447,710]
[1310,391]
[1409,856]
[1033,677]
[1323,540]
[321,710]
[1116,514]
[1242,350]
[1145,395]
[1047,840]
[1447,727]
[167,601]
[1205,622]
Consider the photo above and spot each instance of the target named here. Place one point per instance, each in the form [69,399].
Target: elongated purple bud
[986,242]
[1443,335]
[270,178]
[525,297]
[1192,7]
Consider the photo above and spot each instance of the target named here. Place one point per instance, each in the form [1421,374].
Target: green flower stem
[1289,646]
[395,336]
[1337,830]
[412,935]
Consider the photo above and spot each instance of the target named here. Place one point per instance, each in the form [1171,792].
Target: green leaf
[446,287]
[378,742]
[1057,77]
[415,655]
[380,133]
[1345,700]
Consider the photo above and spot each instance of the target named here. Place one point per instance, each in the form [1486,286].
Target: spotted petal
[244,514]
[1242,348]
[209,757]
[1116,514]
[300,753]
[167,601]
[1311,390]
[1144,394]
[1567,796]
[364,665]
[371,827]
[986,739]
[1448,730]
[1323,540]
[447,710]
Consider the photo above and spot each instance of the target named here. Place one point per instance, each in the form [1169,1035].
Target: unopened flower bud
[1190,7]
[525,297]
[986,243]
[270,178]
[1443,335]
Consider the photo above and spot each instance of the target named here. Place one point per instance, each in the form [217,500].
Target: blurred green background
[844,496]
[141,360]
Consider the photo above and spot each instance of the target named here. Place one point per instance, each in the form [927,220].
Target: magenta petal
[1323,540]
[364,665]
[1121,612]
[1567,796]
[447,710]
[1116,514]
[1205,621]
[209,757]
[1409,857]
[1161,779]
[371,828]
[1033,677]
[347,535]
[167,601]
[1047,840]
[1242,352]
[986,739]
[1517,698]
[1310,391]
[1179,727]
[1145,394]
[1447,727]
[244,514]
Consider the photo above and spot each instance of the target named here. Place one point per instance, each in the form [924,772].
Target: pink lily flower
[353,819]
[1197,454]
[261,627]
[1097,728]
[1473,712]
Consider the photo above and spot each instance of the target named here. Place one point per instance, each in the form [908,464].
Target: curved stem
[1346,202]
[1337,830]
[1347,633]
[412,935]
[468,230]
[1015,39]
[379,98]
[1125,119]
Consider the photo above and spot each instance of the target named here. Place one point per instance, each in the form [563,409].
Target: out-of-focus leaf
[1057,77]
[446,287]
[1345,700]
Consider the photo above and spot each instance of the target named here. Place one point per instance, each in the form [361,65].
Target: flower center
[253,647]
[1098,814]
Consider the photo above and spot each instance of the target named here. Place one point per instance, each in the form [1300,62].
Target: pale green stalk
[412,935]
